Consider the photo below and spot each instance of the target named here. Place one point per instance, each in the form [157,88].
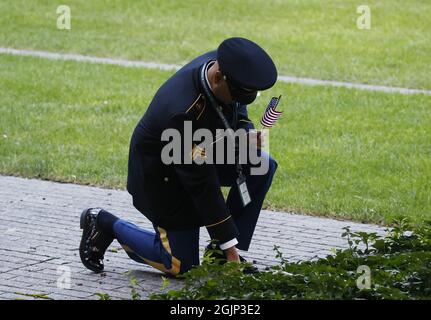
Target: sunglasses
[240,94]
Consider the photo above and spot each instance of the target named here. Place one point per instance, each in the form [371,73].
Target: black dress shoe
[94,242]
[220,258]
[249,269]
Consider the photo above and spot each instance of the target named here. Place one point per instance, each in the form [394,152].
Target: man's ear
[218,77]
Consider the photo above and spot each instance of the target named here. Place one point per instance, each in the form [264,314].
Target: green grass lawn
[341,152]
[308,38]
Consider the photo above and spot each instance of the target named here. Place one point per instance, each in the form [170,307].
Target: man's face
[227,93]
[220,86]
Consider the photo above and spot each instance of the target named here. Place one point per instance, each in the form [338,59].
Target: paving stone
[39,233]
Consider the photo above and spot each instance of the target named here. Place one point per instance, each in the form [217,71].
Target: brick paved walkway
[39,239]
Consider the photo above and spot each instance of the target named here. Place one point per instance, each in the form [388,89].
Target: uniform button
[166,179]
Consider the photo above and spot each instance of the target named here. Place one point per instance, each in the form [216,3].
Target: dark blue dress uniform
[180,198]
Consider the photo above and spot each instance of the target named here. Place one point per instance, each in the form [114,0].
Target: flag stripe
[271,115]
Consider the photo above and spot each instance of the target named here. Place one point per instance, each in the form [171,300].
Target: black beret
[246,64]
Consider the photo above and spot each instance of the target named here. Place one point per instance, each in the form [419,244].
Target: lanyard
[219,110]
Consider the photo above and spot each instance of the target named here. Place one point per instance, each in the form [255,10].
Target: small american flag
[271,115]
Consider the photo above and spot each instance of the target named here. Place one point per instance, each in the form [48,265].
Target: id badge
[243,190]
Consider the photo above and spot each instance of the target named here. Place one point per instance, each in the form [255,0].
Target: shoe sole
[82,219]
[84,228]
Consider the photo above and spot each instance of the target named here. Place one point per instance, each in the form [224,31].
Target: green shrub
[400,265]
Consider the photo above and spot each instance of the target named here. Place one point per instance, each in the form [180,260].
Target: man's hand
[231,254]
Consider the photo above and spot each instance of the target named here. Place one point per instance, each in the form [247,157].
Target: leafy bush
[400,266]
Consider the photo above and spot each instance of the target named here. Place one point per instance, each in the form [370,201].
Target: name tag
[243,190]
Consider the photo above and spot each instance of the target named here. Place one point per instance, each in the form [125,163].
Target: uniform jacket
[186,195]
